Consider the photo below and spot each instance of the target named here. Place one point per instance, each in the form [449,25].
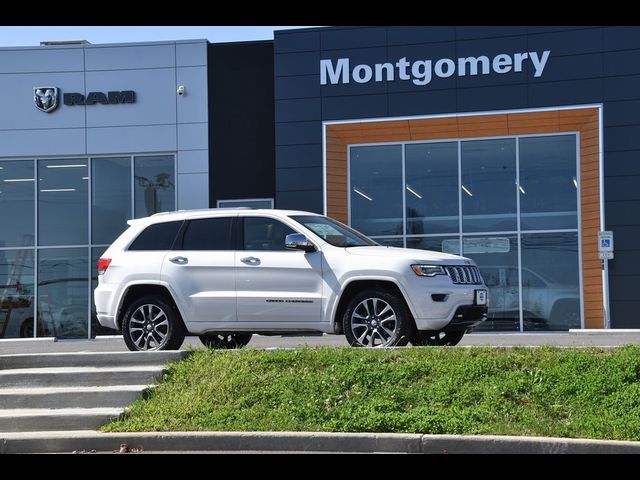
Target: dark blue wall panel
[306,155]
[299,178]
[298,133]
[308,200]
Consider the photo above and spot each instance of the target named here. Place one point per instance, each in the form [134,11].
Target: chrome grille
[463,275]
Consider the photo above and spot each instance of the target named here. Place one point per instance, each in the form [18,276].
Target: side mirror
[297,241]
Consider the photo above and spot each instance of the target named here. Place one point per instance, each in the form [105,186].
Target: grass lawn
[590,393]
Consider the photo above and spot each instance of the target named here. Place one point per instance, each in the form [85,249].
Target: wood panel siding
[584,121]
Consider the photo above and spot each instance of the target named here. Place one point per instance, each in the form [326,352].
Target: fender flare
[379,278]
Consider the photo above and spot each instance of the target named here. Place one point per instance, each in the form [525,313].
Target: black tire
[225,340]
[152,323]
[26,329]
[422,338]
[367,322]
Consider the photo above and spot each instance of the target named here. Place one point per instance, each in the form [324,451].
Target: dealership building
[515,146]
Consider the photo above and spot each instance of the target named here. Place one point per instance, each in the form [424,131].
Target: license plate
[481,297]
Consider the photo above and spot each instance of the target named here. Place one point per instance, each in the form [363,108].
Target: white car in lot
[224,274]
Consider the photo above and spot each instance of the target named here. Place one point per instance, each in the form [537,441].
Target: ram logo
[45,98]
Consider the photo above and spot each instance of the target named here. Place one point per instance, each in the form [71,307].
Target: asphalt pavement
[582,338]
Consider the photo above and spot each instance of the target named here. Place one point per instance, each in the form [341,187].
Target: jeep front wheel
[375,318]
[152,323]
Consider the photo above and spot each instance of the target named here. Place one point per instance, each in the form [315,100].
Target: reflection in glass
[110,197]
[489,185]
[257,203]
[437,244]
[62,292]
[389,242]
[550,281]
[96,328]
[16,293]
[16,203]
[499,270]
[376,189]
[63,202]
[431,190]
[548,184]
[154,185]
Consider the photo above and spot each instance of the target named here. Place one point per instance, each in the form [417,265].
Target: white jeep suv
[224,274]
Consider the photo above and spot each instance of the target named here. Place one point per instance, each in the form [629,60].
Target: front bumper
[467,317]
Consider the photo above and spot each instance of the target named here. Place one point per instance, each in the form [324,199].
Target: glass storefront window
[431,188]
[155,185]
[17,203]
[16,293]
[550,281]
[376,189]
[540,171]
[548,184]
[62,292]
[65,199]
[110,198]
[497,259]
[489,185]
[63,208]
[437,244]
[390,242]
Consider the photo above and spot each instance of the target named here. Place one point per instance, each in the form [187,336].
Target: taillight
[102,265]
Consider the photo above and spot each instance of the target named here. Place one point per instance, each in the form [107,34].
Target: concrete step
[44,419]
[89,359]
[70,397]
[80,376]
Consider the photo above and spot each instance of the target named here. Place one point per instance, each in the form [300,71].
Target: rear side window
[208,234]
[159,236]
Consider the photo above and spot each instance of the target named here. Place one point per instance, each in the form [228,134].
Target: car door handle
[250,260]
[179,260]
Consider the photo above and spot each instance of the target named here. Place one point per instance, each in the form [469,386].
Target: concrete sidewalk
[576,338]
[86,441]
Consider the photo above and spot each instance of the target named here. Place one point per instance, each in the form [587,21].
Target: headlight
[428,270]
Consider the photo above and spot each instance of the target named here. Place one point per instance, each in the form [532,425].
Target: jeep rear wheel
[225,340]
[152,323]
[421,338]
[376,318]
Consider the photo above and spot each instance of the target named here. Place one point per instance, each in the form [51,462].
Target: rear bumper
[107,321]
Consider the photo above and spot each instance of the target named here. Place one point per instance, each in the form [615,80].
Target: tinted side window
[208,234]
[159,236]
[261,233]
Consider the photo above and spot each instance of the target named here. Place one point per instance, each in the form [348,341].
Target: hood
[412,254]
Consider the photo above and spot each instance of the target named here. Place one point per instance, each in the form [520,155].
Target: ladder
[12,286]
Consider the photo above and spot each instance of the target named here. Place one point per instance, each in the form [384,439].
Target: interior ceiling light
[413,191]
[75,165]
[467,191]
[362,194]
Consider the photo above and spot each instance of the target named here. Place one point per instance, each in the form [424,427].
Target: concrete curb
[87,441]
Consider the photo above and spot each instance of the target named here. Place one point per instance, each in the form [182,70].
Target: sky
[11,36]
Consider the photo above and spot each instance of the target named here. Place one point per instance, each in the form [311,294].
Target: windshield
[335,233]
